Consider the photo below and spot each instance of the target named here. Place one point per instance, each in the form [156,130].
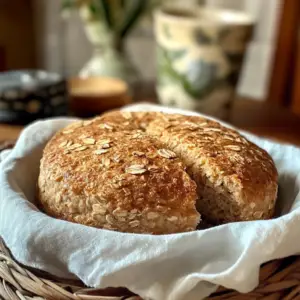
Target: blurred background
[35,35]
[79,40]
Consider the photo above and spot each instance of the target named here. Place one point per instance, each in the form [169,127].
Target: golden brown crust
[86,173]
[116,180]
[220,159]
[229,152]
[236,180]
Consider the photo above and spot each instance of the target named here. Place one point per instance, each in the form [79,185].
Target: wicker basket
[279,279]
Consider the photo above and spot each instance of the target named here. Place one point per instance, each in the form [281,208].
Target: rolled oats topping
[136,169]
[166,153]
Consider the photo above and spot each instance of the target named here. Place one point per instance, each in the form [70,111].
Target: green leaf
[200,78]
[68,4]
[197,93]
[93,9]
[105,10]
[166,72]
[176,54]
[133,11]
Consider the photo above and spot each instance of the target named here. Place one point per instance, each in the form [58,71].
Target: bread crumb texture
[149,172]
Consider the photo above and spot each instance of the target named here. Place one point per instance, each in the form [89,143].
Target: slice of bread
[236,180]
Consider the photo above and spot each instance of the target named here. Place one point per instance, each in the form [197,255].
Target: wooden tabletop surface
[266,119]
[260,118]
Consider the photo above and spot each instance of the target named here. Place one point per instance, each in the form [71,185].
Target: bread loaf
[149,172]
[118,180]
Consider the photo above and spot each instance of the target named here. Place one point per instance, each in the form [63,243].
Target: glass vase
[109,57]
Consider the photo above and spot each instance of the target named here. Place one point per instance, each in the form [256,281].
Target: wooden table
[260,118]
[266,119]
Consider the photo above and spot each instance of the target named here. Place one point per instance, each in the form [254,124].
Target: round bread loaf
[149,172]
[118,180]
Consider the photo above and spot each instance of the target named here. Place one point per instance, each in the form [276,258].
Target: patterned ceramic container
[28,95]
[199,54]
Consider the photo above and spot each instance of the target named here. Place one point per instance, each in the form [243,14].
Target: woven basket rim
[279,279]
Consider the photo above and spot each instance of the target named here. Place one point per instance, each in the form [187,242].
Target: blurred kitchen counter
[9,132]
[261,118]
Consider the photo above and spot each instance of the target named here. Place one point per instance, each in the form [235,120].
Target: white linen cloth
[167,267]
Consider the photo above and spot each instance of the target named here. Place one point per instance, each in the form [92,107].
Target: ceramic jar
[200,53]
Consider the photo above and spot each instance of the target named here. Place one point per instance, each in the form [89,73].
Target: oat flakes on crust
[129,172]
[115,180]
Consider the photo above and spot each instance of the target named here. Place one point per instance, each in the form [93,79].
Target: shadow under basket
[278,280]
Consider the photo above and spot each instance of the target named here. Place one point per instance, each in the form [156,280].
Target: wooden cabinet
[2,59]
[295,97]
[284,86]
[17,35]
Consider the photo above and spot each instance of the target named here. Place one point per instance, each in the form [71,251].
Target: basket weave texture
[279,280]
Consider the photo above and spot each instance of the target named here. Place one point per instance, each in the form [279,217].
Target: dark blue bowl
[27,95]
